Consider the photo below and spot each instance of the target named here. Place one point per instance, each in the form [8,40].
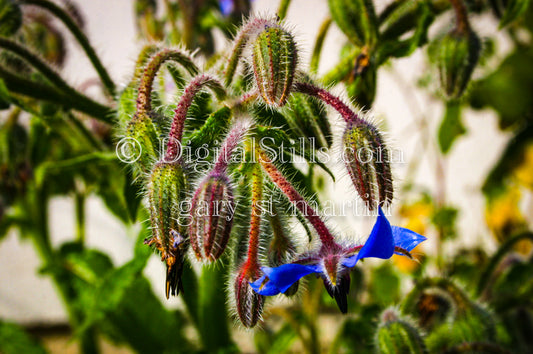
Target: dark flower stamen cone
[274,58]
[369,169]
[166,189]
[211,217]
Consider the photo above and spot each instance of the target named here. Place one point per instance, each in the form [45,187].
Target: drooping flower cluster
[208,223]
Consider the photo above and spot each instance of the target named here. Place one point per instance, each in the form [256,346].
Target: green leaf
[397,48]
[385,285]
[13,340]
[279,341]
[212,309]
[505,90]
[513,10]
[451,126]
[4,96]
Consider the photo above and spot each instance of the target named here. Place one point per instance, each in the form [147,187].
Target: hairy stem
[75,100]
[240,42]
[80,37]
[252,263]
[144,102]
[287,188]
[36,62]
[309,89]
[180,113]
[230,143]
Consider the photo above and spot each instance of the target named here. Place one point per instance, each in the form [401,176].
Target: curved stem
[180,113]
[230,143]
[144,102]
[310,214]
[495,260]
[309,89]
[45,92]
[319,43]
[240,42]
[80,37]
[36,62]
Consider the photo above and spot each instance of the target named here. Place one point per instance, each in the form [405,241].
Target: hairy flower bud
[166,188]
[10,17]
[211,217]
[142,143]
[395,335]
[458,54]
[357,19]
[249,303]
[366,159]
[274,58]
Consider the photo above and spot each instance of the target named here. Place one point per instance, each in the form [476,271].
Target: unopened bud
[396,335]
[367,163]
[211,217]
[143,140]
[10,17]
[458,54]
[357,19]
[167,187]
[249,303]
[274,58]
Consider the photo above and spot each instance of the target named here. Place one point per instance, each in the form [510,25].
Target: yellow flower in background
[504,218]
[524,172]
[418,217]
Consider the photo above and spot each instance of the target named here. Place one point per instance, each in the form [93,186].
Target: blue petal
[405,238]
[226,7]
[380,243]
[350,261]
[281,278]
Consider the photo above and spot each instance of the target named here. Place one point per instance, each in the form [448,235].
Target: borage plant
[192,203]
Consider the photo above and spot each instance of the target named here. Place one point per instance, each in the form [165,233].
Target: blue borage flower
[226,7]
[333,264]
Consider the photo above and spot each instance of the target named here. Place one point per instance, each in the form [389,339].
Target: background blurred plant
[477,302]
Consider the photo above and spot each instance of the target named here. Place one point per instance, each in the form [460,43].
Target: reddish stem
[252,264]
[180,113]
[309,89]
[230,143]
[295,197]
[144,102]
